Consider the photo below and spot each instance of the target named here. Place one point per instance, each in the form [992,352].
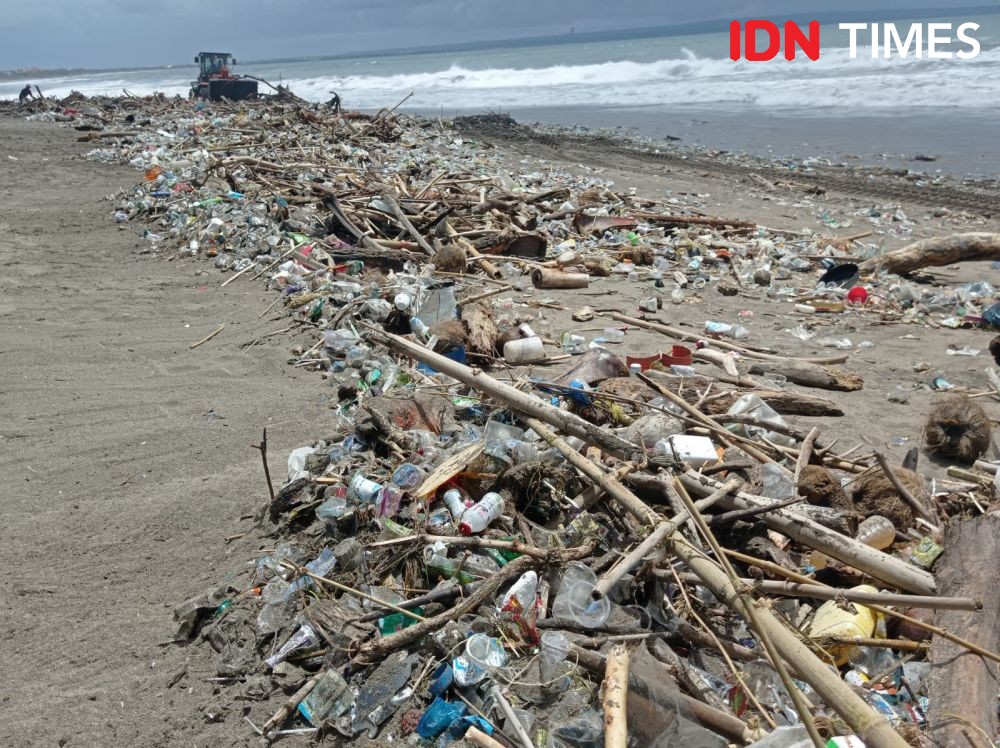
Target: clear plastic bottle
[480,515]
[456,503]
[876,531]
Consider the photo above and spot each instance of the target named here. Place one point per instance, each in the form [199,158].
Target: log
[937,252]
[963,687]
[789,403]
[524,403]
[483,332]
[812,375]
[549,278]
[889,569]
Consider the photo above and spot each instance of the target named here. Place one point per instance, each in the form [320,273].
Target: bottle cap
[465,528]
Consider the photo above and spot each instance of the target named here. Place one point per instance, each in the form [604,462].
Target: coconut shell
[875,494]
[958,428]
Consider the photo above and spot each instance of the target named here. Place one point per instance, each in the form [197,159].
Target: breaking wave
[834,82]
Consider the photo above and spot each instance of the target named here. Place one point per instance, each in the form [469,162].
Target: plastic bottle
[737,332]
[418,328]
[305,638]
[612,335]
[456,503]
[524,590]
[480,515]
[876,531]
[524,350]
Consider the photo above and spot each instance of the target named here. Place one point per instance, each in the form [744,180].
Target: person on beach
[25,94]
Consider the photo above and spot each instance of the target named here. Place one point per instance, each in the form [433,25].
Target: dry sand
[126,454]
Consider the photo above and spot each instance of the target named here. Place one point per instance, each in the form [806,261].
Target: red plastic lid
[465,528]
[857,295]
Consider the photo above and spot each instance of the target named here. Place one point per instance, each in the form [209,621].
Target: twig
[209,336]
[262,448]
[293,701]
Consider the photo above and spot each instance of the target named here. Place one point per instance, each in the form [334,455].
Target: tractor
[216,80]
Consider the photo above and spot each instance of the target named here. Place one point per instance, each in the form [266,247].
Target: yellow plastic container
[833,620]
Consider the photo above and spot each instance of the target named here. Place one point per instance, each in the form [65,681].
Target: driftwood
[938,251]
[787,403]
[812,375]
[483,332]
[963,687]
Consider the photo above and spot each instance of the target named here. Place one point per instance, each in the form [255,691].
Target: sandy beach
[131,483]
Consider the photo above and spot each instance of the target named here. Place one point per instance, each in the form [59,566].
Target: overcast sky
[122,33]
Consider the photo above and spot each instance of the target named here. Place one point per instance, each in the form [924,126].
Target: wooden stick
[236,275]
[938,251]
[524,403]
[804,453]
[293,701]
[209,336]
[904,645]
[515,723]
[723,435]
[654,539]
[724,723]
[628,500]
[615,700]
[821,592]
[869,725]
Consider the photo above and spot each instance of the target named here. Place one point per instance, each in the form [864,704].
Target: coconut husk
[820,488]
[450,335]
[875,494]
[450,258]
[958,428]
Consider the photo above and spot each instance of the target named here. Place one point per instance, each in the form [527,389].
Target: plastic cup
[485,652]
[554,649]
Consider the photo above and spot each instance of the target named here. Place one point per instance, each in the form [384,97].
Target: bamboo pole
[524,403]
[615,700]
[880,565]
[679,334]
[820,592]
[936,630]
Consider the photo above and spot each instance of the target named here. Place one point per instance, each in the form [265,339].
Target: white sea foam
[834,82]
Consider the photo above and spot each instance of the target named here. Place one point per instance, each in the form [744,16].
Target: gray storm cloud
[113,33]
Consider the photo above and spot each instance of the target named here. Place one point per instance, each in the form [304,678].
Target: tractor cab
[215,65]
[217,81]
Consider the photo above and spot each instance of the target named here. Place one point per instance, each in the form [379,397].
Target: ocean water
[644,85]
